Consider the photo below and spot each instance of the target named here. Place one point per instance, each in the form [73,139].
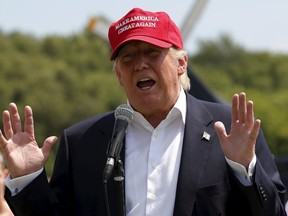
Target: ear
[182,64]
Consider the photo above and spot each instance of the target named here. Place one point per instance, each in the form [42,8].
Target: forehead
[137,45]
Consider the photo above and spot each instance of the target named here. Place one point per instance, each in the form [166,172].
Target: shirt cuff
[15,185]
[243,175]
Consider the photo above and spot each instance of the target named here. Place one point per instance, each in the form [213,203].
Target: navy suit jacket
[206,184]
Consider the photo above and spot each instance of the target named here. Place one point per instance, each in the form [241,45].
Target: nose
[141,62]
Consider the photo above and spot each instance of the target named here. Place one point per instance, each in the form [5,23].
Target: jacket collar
[199,131]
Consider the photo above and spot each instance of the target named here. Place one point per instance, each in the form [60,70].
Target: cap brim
[156,42]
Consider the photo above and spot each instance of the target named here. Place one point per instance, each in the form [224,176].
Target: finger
[255,131]
[29,123]
[8,130]
[3,141]
[15,118]
[242,107]
[250,114]
[47,146]
[235,108]
[221,131]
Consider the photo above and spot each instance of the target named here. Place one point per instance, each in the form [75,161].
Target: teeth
[148,87]
[145,83]
[145,79]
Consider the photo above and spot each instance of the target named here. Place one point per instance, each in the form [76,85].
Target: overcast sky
[254,24]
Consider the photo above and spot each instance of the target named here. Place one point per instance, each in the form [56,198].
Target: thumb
[47,146]
[220,130]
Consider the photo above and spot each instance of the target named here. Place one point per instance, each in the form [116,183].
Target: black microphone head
[124,112]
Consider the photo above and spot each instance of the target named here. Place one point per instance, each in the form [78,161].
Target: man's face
[149,76]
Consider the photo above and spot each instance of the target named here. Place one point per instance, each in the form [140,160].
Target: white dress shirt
[152,160]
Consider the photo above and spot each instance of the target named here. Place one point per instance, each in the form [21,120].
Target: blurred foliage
[67,79]
[64,80]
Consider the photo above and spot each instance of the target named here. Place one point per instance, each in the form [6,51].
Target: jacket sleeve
[40,197]
[267,194]
[35,199]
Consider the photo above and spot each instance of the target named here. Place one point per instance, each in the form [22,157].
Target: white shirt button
[151,196]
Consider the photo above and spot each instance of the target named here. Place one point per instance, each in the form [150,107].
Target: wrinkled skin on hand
[19,147]
[239,144]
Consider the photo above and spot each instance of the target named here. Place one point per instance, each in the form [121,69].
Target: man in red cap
[182,156]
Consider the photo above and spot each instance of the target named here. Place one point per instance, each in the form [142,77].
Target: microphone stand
[120,189]
[123,116]
[119,178]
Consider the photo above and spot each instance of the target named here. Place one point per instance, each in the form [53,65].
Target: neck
[155,119]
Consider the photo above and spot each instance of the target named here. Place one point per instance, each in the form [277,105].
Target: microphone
[123,116]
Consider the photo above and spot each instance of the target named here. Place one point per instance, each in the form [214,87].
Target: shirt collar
[181,105]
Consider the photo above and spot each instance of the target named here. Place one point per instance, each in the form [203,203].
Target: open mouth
[145,83]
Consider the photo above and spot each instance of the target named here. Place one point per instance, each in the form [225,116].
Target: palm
[25,153]
[239,145]
[20,149]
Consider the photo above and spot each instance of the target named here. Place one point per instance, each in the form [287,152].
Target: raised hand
[19,147]
[239,144]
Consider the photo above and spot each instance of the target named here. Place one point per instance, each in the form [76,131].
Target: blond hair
[184,78]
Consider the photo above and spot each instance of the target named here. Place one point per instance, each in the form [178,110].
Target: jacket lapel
[199,131]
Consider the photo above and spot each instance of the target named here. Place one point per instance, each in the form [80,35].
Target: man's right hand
[19,147]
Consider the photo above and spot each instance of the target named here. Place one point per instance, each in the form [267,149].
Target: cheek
[124,80]
[120,81]
[119,77]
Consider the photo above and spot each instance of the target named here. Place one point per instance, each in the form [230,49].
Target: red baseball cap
[156,28]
